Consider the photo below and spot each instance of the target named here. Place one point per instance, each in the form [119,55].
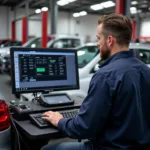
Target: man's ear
[110,40]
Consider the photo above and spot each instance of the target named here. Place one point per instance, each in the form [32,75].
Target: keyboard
[41,123]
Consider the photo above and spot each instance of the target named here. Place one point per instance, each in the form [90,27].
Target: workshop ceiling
[141,6]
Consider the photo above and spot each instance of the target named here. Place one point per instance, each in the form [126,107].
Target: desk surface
[33,132]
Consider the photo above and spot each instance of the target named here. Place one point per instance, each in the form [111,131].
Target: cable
[18,135]
[35,100]
[16,132]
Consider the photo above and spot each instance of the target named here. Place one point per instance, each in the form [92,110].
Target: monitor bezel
[48,89]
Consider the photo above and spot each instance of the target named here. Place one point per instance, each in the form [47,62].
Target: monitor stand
[36,95]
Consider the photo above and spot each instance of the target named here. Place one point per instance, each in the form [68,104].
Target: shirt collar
[122,54]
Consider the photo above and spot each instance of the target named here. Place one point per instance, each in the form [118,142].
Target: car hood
[4,51]
[80,70]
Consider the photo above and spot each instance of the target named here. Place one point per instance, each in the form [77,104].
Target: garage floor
[5,87]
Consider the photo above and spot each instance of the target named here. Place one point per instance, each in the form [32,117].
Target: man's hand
[52,117]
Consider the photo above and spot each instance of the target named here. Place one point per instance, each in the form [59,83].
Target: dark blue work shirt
[116,112]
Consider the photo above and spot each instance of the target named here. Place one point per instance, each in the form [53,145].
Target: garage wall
[145,27]
[20,13]
[4,16]
[66,24]
[86,27]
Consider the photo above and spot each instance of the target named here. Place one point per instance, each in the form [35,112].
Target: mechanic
[115,115]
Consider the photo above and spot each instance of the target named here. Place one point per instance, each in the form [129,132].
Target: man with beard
[115,115]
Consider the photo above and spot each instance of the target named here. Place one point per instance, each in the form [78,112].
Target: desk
[34,136]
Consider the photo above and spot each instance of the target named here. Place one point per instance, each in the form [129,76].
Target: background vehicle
[5,128]
[2,41]
[11,43]
[89,61]
[54,41]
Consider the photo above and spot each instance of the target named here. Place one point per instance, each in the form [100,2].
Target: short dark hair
[118,26]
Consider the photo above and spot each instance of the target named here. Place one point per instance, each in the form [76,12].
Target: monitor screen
[43,70]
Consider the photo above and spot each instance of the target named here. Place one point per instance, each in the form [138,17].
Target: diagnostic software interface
[41,70]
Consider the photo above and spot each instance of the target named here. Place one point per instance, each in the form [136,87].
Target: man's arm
[93,112]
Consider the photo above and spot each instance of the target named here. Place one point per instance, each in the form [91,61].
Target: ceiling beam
[22,3]
[37,3]
[4,1]
[82,5]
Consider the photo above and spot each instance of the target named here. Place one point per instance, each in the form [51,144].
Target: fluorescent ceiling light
[70,1]
[76,15]
[64,2]
[44,9]
[108,4]
[97,7]
[134,2]
[83,13]
[133,10]
[37,11]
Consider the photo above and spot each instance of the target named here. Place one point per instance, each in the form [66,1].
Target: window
[143,55]
[96,67]
[35,43]
[63,43]
[11,43]
[66,43]
[76,42]
[86,54]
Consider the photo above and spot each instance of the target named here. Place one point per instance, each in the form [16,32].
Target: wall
[86,26]
[66,24]
[20,13]
[145,27]
[4,16]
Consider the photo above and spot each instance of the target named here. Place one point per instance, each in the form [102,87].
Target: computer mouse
[12,101]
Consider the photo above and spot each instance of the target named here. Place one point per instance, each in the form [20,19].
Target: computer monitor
[43,70]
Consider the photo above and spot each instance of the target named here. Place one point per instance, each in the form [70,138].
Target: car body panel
[5,136]
[52,39]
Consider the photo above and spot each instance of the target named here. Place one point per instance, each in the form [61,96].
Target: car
[54,41]
[5,126]
[5,63]
[2,41]
[11,43]
[89,61]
